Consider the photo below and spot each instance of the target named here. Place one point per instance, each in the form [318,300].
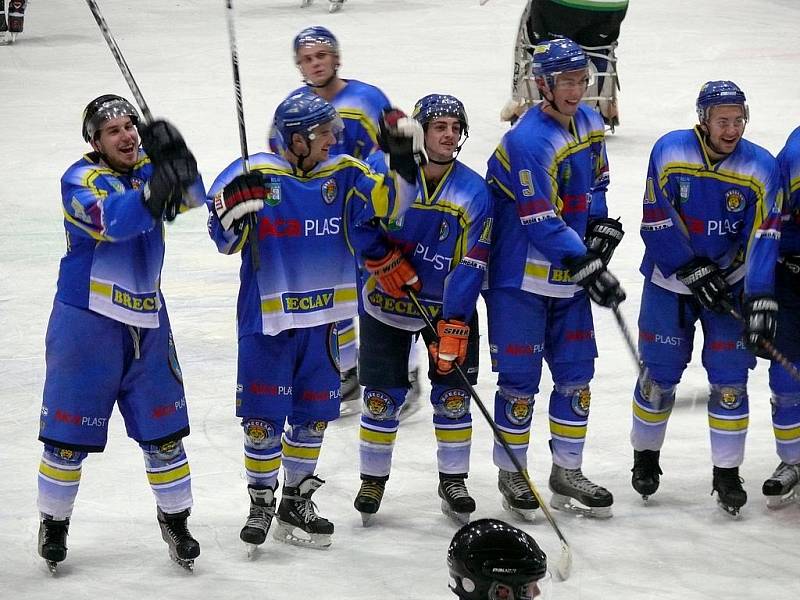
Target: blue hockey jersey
[789,161]
[547,183]
[445,235]
[360,106]
[727,211]
[307,274]
[115,249]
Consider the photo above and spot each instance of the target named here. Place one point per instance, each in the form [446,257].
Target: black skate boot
[517,497]
[571,484]
[646,472]
[183,548]
[262,509]
[731,496]
[53,541]
[783,487]
[456,501]
[298,521]
[369,497]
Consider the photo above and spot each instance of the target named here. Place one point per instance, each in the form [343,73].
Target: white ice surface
[680,546]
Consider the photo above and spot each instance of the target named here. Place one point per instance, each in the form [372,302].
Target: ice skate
[573,492]
[53,541]
[783,487]
[183,548]
[517,497]
[335,6]
[646,472]
[456,501]
[731,496]
[297,520]
[262,510]
[305,3]
[369,497]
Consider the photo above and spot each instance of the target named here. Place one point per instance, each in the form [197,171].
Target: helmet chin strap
[551,102]
[455,154]
[707,141]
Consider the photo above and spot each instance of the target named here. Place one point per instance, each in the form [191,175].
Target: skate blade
[366,519]
[528,514]
[732,511]
[252,549]
[460,518]
[790,497]
[185,563]
[52,566]
[565,503]
[289,534]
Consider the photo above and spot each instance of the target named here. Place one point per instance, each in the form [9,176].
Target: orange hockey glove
[393,273]
[452,345]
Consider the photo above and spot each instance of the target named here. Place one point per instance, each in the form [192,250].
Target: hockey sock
[569,415]
[301,447]
[728,418]
[168,474]
[262,452]
[59,478]
[379,429]
[452,422]
[512,414]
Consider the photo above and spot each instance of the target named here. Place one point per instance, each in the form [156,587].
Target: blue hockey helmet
[489,558]
[433,106]
[553,57]
[316,34]
[103,109]
[302,113]
[720,93]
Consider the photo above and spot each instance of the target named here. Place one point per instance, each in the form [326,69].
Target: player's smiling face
[441,138]
[569,89]
[317,63]
[324,138]
[725,127]
[118,142]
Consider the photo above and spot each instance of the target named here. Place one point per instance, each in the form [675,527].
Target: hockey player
[16,20]
[710,228]
[551,244]
[439,247]
[288,309]
[594,25]
[783,485]
[489,559]
[317,56]
[109,337]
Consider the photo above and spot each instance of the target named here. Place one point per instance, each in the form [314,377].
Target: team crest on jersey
[684,186]
[455,403]
[333,346]
[136,183]
[734,200]
[273,187]
[518,411]
[729,398]
[329,190]
[379,405]
[173,360]
[444,230]
[580,402]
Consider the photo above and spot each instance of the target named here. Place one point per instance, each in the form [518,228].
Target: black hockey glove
[603,236]
[403,139]
[761,323]
[590,273]
[162,142]
[703,277]
[162,193]
[242,196]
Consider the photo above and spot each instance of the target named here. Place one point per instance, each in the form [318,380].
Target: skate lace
[305,507]
[578,480]
[371,489]
[517,484]
[259,515]
[787,475]
[455,488]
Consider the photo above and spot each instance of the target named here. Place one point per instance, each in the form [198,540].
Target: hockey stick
[775,354]
[123,66]
[252,221]
[628,337]
[564,565]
